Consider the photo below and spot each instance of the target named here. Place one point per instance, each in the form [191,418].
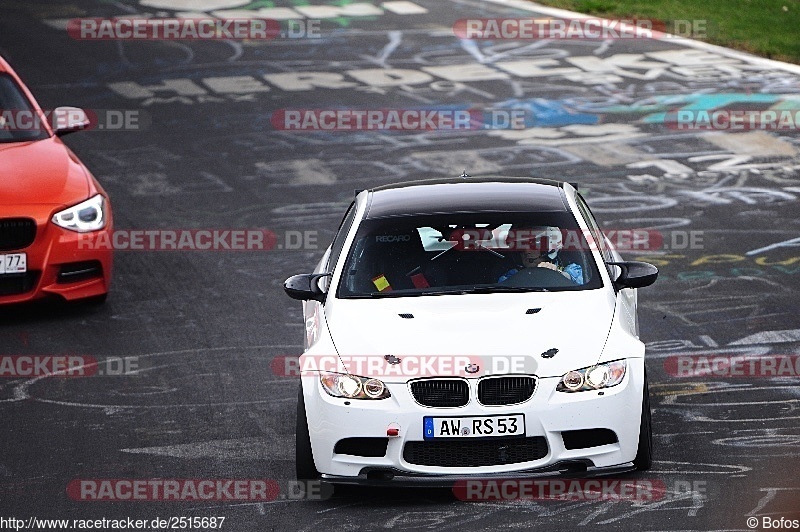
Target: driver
[532,256]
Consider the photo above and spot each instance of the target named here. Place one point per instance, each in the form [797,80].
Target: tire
[644,453]
[304,459]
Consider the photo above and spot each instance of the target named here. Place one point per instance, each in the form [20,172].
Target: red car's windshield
[19,122]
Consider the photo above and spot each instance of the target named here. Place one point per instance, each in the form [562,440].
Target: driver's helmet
[528,239]
[555,241]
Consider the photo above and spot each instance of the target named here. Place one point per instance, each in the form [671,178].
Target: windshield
[18,121]
[468,253]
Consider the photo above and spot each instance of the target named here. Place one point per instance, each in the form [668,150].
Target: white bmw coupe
[471,328]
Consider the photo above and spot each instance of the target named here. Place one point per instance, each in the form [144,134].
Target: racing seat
[387,259]
[471,266]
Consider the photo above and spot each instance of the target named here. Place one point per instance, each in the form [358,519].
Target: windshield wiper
[455,291]
[501,288]
[445,292]
[484,290]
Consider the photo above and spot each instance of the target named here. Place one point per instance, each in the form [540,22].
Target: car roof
[485,194]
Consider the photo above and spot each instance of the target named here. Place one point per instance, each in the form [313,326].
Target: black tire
[644,453]
[304,459]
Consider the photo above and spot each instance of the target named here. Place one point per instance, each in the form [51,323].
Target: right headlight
[84,217]
[603,375]
[353,387]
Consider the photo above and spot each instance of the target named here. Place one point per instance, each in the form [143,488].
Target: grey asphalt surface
[203,327]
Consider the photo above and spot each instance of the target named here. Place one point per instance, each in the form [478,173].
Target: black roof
[485,194]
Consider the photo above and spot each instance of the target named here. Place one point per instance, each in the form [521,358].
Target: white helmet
[531,239]
[555,241]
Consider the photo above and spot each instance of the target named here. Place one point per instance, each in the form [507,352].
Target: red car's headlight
[84,217]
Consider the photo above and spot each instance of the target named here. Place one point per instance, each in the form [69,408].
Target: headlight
[603,375]
[353,387]
[83,217]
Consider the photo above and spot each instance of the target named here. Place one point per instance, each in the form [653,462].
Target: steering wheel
[538,278]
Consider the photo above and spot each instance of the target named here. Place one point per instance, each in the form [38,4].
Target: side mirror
[305,287]
[635,274]
[69,119]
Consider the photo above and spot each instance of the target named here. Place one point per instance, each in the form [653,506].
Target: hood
[43,172]
[483,327]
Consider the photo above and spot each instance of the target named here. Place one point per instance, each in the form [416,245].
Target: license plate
[13,263]
[473,427]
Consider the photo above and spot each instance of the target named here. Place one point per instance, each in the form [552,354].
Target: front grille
[16,233]
[475,452]
[18,283]
[441,392]
[505,390]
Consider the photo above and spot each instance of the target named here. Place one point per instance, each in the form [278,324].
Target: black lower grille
[582,439]
[16,233]
[505,390]
[475,452]
[18,283]
[79,271]
[374,447]
[441,392]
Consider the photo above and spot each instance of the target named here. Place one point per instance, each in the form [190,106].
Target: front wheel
[304,458]
[644,454]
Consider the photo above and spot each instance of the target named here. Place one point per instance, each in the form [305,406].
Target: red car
[52,210]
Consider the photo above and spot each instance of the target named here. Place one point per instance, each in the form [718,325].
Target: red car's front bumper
[59,262]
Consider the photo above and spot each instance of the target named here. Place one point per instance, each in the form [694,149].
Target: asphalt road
[198,329]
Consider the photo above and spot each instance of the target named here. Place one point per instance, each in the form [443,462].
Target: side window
[597,234]
[341,235]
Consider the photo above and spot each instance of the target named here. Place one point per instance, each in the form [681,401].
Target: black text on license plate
[13,263]
[473,426]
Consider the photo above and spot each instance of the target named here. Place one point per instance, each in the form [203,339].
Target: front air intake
[441,393]
[496,391]
[16,233]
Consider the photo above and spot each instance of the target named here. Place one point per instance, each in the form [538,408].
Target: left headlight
[603,375]
[84,217]
[353,387]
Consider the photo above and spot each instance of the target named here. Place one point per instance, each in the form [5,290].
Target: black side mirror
[305,287]
[635,274]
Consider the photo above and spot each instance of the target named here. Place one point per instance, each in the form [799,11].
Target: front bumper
[392,477]
[61,263]
[547,414]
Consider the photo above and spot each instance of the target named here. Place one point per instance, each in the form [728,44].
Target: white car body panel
[480,325]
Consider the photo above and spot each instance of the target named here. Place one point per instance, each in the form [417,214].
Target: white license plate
[473,427]
[13,263]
